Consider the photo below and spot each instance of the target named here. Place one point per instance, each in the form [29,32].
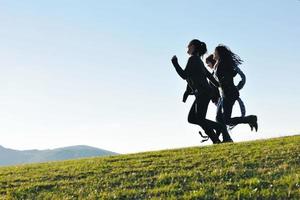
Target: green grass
[264,169]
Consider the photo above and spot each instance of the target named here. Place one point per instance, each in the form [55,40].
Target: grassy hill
[265,169]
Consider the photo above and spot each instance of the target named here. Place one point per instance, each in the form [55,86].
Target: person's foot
[253,122]
[217,142]
[251,127]
[204,137]
[225,133]
[212,136]
[227,140]
[218,133]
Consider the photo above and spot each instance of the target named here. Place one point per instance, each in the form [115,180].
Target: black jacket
[196,75]
[225,75]
[215,92]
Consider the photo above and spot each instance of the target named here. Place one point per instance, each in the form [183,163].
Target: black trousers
[224,113]
[197,115]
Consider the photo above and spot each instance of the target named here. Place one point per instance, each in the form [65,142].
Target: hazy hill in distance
[12,157]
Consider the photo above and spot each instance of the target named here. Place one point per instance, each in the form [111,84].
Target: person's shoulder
[194,59]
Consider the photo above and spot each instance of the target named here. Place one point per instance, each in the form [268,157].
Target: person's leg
[192,114]
[197,116]
[220,128]
[242,107]
[208,125]
[227,110]
[219,114]
[228,120]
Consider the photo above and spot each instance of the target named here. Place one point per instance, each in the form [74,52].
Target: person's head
[210,61]
[196,47]
[224,54]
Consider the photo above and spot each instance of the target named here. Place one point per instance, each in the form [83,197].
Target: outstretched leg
[226,115]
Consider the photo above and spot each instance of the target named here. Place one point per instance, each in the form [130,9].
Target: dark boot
[211,134]
[226,136]
[252,121]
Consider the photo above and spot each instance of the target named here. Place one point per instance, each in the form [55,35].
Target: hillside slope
[265,169]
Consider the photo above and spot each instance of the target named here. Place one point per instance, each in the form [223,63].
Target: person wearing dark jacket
[196,76]
[216,99]
[225,71]
[216,94]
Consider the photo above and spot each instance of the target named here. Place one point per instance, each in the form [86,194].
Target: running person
[225,67]
[196,75]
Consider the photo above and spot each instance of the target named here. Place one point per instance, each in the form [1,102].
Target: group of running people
[217,87]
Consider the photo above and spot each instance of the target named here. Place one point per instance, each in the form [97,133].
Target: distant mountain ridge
[13,157]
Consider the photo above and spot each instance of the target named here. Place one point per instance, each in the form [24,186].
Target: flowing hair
[228,58]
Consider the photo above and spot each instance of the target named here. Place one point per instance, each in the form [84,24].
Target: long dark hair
[227,57]
[200,47]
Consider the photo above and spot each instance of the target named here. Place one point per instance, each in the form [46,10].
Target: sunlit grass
[265,169]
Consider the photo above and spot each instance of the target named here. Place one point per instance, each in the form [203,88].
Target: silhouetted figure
[225,67]
[216,99]
[196,75]
[210,61]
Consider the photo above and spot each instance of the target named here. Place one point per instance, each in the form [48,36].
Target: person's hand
[174,60]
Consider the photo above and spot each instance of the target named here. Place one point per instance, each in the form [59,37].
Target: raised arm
[182,73]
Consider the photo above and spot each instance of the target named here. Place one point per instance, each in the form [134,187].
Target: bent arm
[212,79]
[242,82]
[209,75]
[186,73]
[180,71]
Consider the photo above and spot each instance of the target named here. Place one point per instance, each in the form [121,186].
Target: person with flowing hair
[225,70]
[216,99]
[196,76]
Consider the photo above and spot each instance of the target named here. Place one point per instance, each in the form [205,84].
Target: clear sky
[98,72]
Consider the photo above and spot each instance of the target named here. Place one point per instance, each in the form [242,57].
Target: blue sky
[99,73]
